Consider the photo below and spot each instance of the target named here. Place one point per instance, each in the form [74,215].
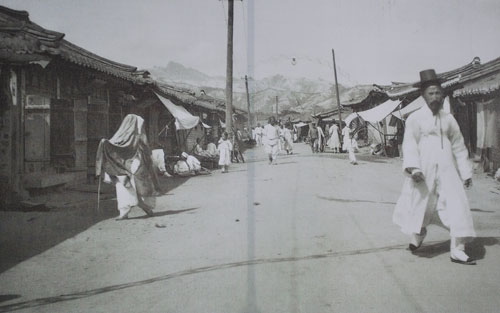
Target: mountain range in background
[295,95]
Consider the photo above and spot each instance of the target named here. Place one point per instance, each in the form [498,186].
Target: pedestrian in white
[287,135]
[258,135]
[126,161]
[334,142]
[437,168]
[321,138]
[348,145]
[281,131]
[271,141]
[225,149]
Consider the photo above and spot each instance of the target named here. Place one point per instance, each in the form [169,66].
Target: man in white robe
[437,168]
[271,141]
[348,144]
[287,135]
[321,138]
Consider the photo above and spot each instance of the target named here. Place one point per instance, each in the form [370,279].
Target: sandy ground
[311,234]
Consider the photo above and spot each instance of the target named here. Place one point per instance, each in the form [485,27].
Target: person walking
[288,137]
[271,141]
[348,144]
[437,168]
[334,141]
[313,137]
[126,161]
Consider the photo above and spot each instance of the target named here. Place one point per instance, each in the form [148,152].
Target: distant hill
[301,95]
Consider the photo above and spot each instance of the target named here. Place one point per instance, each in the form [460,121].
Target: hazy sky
[374,41]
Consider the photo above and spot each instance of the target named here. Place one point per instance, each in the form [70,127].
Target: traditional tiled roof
[483,86]
[451,80]
[186,96]
[21,40]
[329,113]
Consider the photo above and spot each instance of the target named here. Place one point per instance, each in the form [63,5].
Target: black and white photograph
[249,156]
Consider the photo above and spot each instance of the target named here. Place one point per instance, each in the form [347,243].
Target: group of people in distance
[319,140]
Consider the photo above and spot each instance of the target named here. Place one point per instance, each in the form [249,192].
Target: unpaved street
[311,234]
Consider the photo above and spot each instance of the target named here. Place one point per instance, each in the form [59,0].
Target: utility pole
[248,105]
[229,67]
[276,107]
[337,88]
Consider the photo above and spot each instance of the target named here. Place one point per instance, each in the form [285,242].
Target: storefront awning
[379,112]
[375,114]
[183,119]
[300,124]
[415,105]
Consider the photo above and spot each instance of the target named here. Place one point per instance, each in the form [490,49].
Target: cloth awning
[183,119]
[379,112]
[300,124]
[206,126]
[415,105]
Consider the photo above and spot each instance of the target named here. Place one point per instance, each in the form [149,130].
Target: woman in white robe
[334,141]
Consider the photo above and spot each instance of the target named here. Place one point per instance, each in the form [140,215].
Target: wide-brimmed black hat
[428,77]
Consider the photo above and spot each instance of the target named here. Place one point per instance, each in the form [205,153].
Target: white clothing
[321,136]
[434,145]
[193,163]
[271,135]
[225,148]
[287,134]
[158,156]
[346,133]
[212,149]
[258,135]
[271,142]
[334,141]
[126,196]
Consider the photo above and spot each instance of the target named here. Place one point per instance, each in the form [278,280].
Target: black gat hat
[427,78]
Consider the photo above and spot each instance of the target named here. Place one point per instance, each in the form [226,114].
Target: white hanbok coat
[334,141]
[434,144]
[225,148]
[346,133]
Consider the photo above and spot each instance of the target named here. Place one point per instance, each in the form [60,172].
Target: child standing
[225,148]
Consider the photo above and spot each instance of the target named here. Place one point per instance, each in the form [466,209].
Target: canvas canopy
[379,112]
[415,105]
[300,124]
[183,119]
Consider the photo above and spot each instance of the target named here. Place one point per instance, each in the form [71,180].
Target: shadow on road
[4,298]
[475,249]
[352,200]
[25,234]
[163,213]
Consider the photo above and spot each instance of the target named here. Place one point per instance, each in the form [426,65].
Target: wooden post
[276,107]
[229,67]
[337,88]
[248,105]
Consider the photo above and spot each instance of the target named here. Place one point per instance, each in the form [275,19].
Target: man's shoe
[459,256]
[417,239]
[121,218]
